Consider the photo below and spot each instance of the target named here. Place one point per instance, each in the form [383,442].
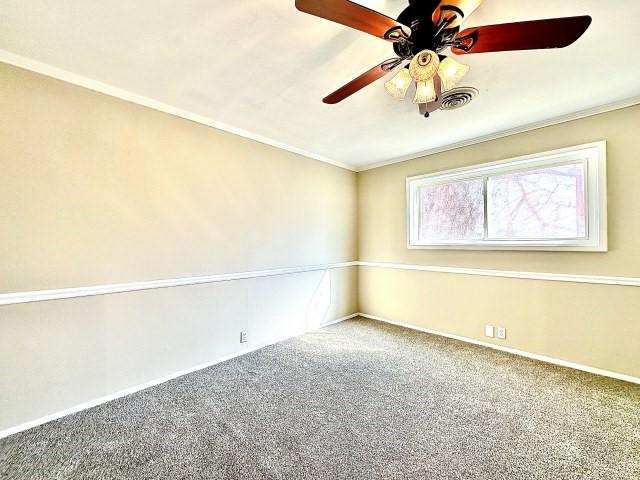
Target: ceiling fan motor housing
[424,33]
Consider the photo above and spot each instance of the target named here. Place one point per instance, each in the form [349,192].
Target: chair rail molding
[76,292]
[62,293]
[555,277]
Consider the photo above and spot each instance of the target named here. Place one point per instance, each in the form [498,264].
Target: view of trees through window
[452,211]
[542,203]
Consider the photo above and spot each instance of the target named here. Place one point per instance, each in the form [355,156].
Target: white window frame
[594,157]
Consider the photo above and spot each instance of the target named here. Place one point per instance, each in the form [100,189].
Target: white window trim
[594,155]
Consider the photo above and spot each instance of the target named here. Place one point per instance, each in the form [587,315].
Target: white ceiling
[263,67]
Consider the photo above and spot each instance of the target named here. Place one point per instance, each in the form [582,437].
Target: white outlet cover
[502,332]
[488,331]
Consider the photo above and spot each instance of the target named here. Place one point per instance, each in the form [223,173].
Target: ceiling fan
[427,27]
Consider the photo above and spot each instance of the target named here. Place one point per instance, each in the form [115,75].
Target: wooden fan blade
[360,82]
[354,16]
[549,33]
[463,8]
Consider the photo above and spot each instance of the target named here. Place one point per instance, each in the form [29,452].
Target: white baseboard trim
[333,322]
[555,277]
[62,293]
[136,388]
[514,351]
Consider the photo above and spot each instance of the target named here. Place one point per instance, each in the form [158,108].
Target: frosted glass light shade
[425,92]
[398,85]
[451,72]
[424,65]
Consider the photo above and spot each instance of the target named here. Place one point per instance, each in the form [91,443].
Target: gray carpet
[358,400]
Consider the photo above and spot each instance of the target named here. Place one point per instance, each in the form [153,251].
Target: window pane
[546,203]
[452,211]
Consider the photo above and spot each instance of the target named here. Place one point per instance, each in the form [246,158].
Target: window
[549,201]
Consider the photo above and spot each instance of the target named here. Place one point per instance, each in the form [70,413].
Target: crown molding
[85,82]
[628,102]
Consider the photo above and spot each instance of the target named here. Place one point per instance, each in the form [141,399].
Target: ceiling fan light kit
[422,69]
[451,72]
[427,27]
[424,66]
[425,92]
[397,87]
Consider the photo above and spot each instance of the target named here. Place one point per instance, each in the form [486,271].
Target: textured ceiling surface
[264,67]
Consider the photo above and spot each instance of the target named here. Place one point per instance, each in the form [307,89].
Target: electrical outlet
[488,331]
[243,336]
[502,333]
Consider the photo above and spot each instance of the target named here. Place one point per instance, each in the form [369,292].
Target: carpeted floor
[357,400]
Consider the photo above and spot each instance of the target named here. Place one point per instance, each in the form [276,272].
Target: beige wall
[95,190]
[98,190]
[383,214]
[594,325]
[59,354]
